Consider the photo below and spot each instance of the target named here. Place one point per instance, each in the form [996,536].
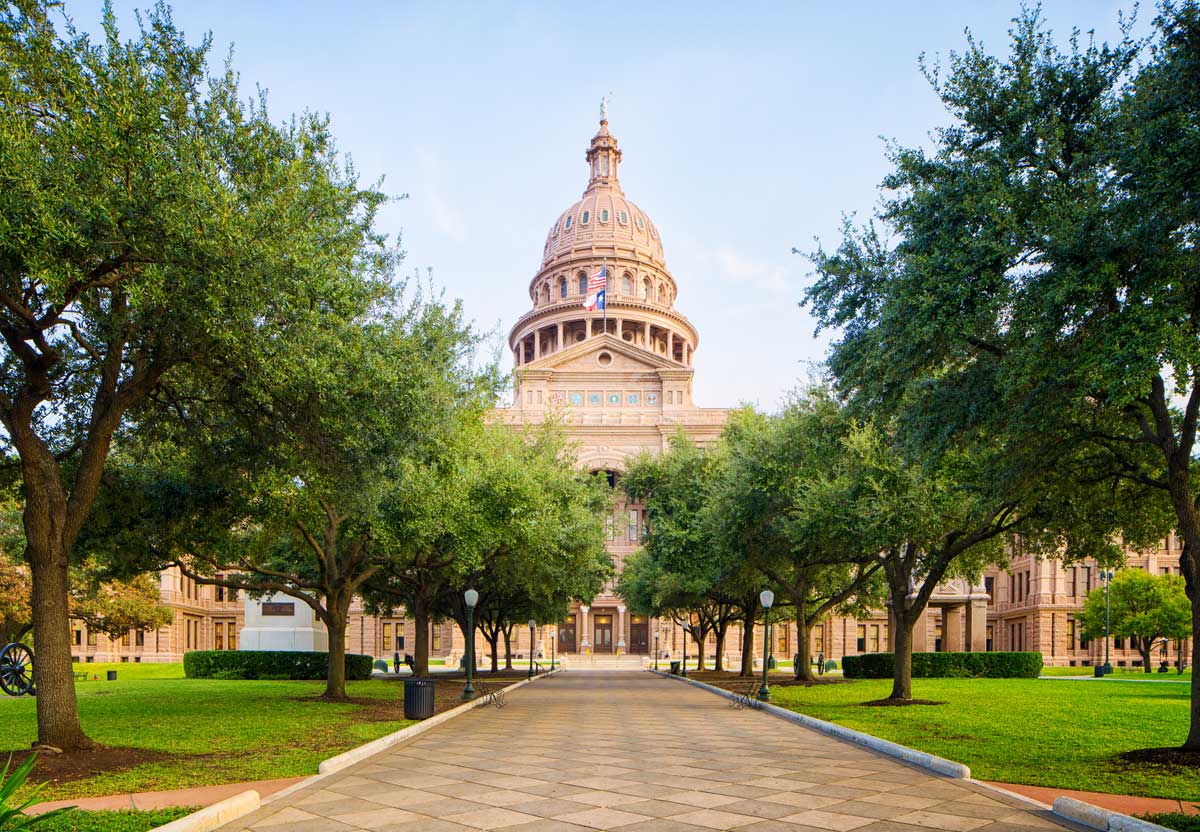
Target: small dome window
[627,284]
[562,287]
[567,224]
[641,225]
[582,283]
[584,219]
[604,215]
[624,218]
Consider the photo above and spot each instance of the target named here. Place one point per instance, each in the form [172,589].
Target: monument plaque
[284,608]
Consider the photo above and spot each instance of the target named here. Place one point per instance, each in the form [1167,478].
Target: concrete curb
[1105,820]
[947,768]
[215,815]
[372,748]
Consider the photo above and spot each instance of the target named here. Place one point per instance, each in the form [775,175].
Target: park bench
[490,693]
[747,697]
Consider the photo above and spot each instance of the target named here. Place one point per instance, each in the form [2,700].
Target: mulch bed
[1173,757]
[80,765]
[900,703]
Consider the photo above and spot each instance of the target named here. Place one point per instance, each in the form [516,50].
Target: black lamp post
[656,651]
[553,633]
[1106,575]
[471,598]
[532,628]
[683,667]
[766,598]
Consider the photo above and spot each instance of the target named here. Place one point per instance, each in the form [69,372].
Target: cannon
[16,670]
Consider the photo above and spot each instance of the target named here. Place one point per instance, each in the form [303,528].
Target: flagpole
[604,269]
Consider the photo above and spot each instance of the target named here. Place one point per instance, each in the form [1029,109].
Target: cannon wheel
[16,670]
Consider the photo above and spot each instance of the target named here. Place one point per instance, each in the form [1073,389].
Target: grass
[128,820]
[215,731]
[1120,673]
[1027,731]
[1175,820]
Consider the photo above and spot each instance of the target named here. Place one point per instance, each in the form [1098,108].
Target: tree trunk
[57,714]
[1192,743]
[722,629]
[335,681]
[803,668]
[508,665]
[748,618]
[700,638]
[493,641]
[902,670]
[420,611]
[1144,647]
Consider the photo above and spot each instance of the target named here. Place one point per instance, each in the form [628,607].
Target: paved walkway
[637,753]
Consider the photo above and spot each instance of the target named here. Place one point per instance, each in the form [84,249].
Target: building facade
[620,379]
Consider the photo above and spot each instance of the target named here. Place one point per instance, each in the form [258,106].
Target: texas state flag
[597,284]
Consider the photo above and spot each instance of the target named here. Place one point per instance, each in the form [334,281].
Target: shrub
[380,664]
[830,664]
[268,664]
[943,665]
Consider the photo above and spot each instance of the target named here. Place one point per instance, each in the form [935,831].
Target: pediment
[584,357]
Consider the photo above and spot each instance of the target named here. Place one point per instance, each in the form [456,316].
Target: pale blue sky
[746,129]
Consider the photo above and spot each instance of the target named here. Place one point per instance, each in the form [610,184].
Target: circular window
[604,359]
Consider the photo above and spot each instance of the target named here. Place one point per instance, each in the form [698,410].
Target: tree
[1143,608]
[757,507]
[1007,321]
[285,479]
[149,218]
[682,572]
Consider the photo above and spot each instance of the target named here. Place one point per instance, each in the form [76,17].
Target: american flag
[597,284]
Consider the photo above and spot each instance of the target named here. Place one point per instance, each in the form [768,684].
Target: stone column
[977,625]
[537,345]
[670,345]
[952,629]
[589,326]
[620,629]
[920,636]
[620,329]
[560,337]
[583,642]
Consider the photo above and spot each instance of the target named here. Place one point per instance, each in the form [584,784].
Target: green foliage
[942,665]
[125,820]
[269,664]
[1174,820]
[12,815]
[380,664]
[1142,607]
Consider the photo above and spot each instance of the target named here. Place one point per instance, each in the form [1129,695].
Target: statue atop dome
[603,108]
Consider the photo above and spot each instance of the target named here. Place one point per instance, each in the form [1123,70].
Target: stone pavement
[638,753]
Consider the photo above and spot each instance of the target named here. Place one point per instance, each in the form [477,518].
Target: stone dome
[603,217]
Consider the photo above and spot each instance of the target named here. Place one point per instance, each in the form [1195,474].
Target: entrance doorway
[639,634]
[604,631]
[566,635]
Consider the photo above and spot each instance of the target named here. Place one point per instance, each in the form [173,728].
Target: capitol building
[620,378]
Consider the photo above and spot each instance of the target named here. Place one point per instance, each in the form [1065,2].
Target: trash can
[418,698]
[675,668]
[112,675]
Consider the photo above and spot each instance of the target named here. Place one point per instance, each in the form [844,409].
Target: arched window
[584,219]
[662,293]
[646,289]
[624,218]
[604,215]
[583,283]
[641,226]
[562,287]
[545,293]
[567,224]
[627,284]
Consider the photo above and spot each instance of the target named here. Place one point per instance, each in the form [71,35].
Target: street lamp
[553,633]
[471,598]
[656,650]
[687,628]
[532,628]
[766,598]
[1106,575]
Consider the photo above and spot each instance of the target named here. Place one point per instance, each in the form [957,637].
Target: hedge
[269,664]
[942,665]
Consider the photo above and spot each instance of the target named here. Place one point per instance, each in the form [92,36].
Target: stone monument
[280,622]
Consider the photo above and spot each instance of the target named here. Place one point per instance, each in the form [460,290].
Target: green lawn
[218,731]
[1120,673]
[1041,733]
[123,821]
